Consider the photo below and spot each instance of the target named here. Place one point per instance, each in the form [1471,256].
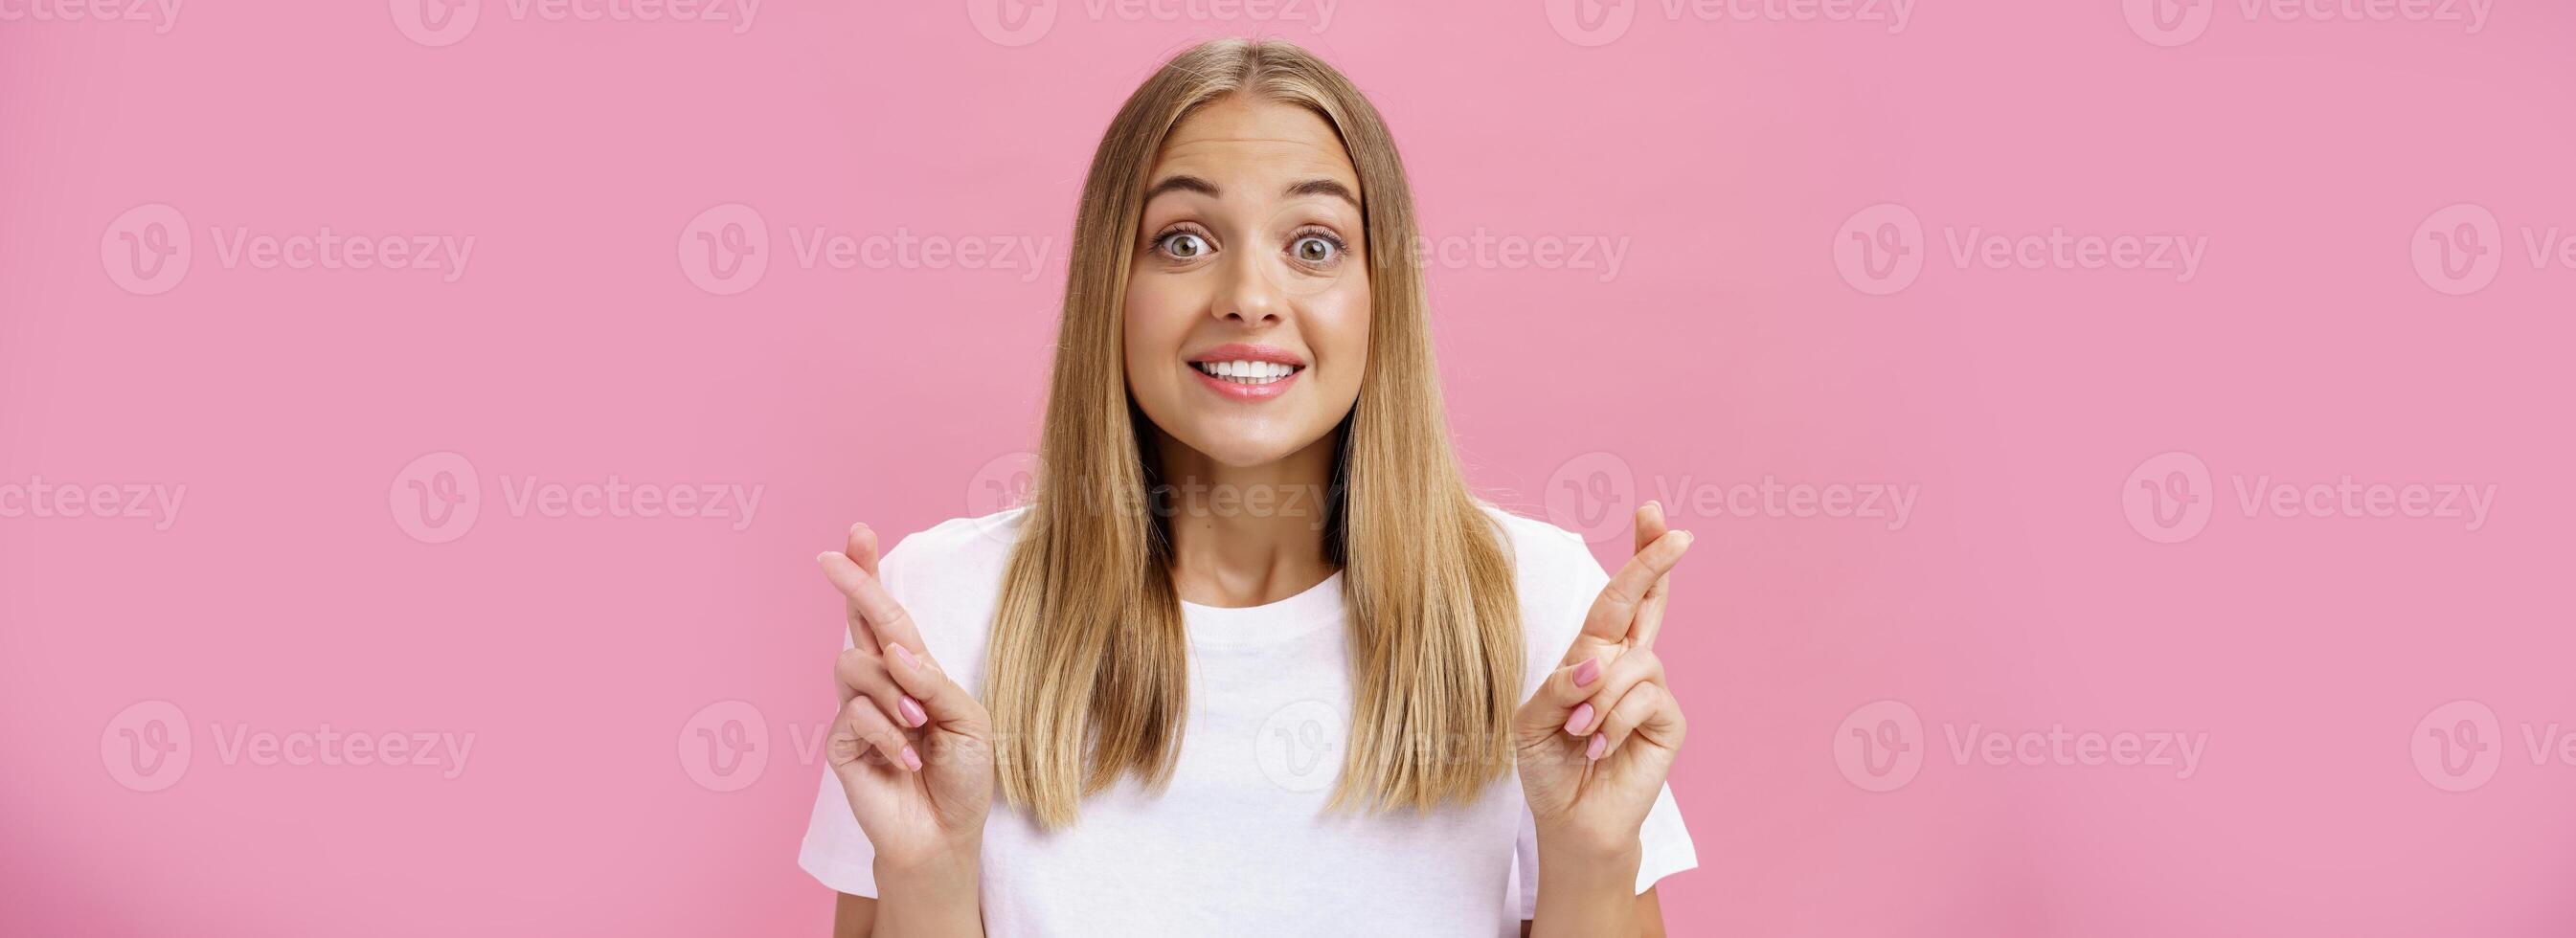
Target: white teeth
[1246,371]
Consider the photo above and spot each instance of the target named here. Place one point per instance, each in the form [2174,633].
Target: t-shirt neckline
[1318,606]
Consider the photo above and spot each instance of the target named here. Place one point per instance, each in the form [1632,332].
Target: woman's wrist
[1586,887]
[1588,844]
[939,894]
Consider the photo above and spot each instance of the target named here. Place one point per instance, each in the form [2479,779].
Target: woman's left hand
[1596,740]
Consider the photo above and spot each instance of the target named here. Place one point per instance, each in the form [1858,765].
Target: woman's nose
[1249,296]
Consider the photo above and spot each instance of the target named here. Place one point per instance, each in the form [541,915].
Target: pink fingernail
[906,654]
[1587,672]
[911,710]
[1582,717]
[912,760]
[1592,752]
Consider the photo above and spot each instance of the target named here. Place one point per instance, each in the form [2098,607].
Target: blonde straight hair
[1087,678]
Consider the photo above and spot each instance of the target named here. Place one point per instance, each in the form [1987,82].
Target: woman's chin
[1240,443]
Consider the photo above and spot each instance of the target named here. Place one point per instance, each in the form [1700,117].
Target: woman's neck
[1246,535]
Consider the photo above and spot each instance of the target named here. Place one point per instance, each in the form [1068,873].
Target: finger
[1556,698]
[862,674]
[1647,709]
[945,703]
[872,727]
[863,547]
[835,569]
[1650,612]
[1616,608]
[1624,673]
[879,614]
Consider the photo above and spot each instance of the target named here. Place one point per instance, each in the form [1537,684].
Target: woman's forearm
[1586,891]
[941,899]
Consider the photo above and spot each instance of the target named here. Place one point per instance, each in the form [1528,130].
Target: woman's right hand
[913,749]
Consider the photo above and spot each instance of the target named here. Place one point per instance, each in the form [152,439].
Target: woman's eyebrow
[1182,183]
[1323,187]
[1188,183]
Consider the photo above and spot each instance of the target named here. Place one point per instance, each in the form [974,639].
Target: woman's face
[1248,302]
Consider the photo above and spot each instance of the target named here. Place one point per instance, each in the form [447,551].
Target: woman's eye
[1182,245]
[1314,249]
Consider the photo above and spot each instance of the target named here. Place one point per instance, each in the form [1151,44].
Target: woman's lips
[1238,391]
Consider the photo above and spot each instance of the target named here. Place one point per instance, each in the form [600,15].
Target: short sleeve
[836,851]
[1664,848]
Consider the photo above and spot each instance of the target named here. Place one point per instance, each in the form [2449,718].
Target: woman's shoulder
[1539,548]
[959,543]
[1555,574]
[949,578]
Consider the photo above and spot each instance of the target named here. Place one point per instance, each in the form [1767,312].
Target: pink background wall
[2337,315]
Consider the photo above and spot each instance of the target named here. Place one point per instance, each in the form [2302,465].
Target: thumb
[1565,689]
[941,698]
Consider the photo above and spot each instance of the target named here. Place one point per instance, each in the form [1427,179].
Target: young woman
[1252,660]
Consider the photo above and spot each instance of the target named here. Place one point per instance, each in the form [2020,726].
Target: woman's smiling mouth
[1247,372]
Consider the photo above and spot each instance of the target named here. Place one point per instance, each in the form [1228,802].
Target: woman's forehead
[1253,139]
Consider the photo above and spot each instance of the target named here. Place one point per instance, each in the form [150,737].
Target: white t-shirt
[1240,843]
